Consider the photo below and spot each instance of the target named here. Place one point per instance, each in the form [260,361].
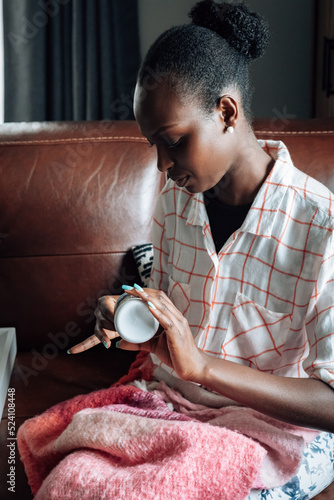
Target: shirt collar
[261,215]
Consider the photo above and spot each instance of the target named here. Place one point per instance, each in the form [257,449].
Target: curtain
[70,59]
[324,64]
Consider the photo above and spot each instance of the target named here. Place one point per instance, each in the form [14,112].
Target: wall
[283,77]
[156,16]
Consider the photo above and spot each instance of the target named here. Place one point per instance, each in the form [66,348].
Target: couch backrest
[74,198]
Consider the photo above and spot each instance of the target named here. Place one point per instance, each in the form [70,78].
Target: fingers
[104,329]
[130,346]
[83,346]
[93,340]
[104,335]
[104,313]
[160,306]
[106,307]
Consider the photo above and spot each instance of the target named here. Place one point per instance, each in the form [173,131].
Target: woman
[242,279]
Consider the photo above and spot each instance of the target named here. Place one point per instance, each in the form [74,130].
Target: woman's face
[193,147]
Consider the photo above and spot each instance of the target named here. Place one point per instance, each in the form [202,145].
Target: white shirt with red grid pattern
[267,299]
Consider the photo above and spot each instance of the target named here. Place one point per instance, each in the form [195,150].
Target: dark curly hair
[212,53]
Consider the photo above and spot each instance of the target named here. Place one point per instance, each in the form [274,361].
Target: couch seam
[297,132]
[117,252]
[74,140]
[125,138]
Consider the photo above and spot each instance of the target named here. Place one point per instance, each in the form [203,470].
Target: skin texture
[198,153]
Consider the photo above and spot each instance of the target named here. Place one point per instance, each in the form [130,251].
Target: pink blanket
[125,443]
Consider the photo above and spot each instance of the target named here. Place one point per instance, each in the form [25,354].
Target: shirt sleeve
[319,321]
[159,274]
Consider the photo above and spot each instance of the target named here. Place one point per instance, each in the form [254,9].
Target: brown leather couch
[74,198]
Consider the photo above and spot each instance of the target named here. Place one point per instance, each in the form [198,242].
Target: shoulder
[314,196]
[309,195]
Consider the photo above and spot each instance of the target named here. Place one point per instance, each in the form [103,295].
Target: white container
[133,320]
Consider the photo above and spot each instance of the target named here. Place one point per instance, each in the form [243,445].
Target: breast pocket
[256,335]
[179,293]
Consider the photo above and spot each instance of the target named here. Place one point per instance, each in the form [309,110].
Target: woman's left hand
[175,346]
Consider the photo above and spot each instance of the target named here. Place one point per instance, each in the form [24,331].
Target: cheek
[199,157]
[206,162]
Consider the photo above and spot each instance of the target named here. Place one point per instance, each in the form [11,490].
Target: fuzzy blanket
[125,443]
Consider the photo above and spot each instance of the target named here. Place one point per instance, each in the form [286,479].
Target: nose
[164,160]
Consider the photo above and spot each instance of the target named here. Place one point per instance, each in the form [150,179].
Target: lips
[180,181]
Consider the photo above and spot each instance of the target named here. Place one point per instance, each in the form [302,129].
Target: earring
[230,130]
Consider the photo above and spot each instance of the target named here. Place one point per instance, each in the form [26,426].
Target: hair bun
[246,31]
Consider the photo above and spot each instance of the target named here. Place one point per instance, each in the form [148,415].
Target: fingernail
[151,305]
[68,352]
[137,287]
[127,287]
[117,344]
[105,344]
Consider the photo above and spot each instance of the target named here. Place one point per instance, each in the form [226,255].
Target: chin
[192,189]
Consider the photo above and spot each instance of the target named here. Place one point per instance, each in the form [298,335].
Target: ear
[228,109]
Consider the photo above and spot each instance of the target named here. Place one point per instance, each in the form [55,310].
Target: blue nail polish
[105,344]
[127,287]
[68,352]
[152,306]
[137,287]
[117,344]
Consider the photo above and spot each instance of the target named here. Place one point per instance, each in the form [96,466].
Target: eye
[175,144]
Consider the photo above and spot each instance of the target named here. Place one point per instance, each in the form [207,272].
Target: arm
[304,402]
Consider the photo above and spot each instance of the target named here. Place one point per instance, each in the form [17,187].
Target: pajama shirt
[266,300]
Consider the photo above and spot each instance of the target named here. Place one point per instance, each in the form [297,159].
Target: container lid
[134,322]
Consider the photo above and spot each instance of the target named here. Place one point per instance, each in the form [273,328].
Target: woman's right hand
[104,328]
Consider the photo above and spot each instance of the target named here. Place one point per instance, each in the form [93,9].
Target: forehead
[159,106]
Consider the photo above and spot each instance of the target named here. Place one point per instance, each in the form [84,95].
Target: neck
[241,183]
